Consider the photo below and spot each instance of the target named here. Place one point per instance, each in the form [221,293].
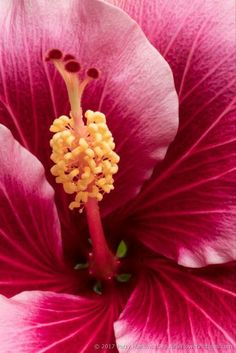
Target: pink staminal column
[103,264]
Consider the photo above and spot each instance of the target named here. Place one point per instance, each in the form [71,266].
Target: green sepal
[121,250]
[124,277]
[98,287]
[81,266]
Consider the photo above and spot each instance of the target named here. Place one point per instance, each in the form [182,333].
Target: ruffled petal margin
[174,309]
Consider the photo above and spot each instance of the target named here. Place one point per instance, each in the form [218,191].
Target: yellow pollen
[84,165]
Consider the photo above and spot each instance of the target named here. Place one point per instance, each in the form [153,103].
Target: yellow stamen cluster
[84,165]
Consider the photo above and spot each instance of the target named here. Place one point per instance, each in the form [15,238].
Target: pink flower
[182,219]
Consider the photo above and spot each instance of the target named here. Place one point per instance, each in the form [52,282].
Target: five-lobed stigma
[84,165]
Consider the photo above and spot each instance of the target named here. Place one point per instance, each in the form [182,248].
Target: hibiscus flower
[169,231]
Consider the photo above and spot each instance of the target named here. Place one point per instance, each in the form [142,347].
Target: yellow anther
[89,115]
[83,143]
[68,156]
[101,182]
[52,157]
[74,173]
[70,140]
[92,128]
[107,188]
[92,164]
[54,128]
[79,196]
[66,133]
[106,166]
[89,152]
[98,151]
[105,146]
[54,170]
[107,134]
[112,145]
[69,188]
[99,117]
[84,197]
[86,175]
[65,119]
[73,205]
[102,126]
[98,137]
[61,164]
[51,142]
[59,124]
[56,136]
[84,164]
[114,157]
[76,151]
[109,179]
[95,189]
[114,169]
[97,170]
[81,186]
[61,179]
[99,197]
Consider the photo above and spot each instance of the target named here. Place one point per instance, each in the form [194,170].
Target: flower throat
[85,161]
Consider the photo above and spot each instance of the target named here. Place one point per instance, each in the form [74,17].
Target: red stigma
[72,66]
[93,73]
[68,57]
[54,54]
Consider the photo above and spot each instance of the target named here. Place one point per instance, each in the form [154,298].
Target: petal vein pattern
[187,211]
[30,240]
[64,323]
[181,309]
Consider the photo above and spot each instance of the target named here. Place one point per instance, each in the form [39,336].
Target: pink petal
[136,89]
[187,211]
[178,309]
[30,240]
[48,322]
